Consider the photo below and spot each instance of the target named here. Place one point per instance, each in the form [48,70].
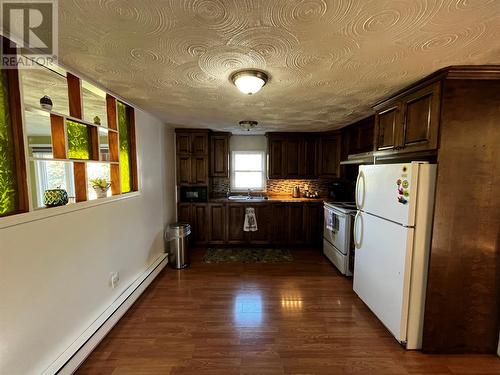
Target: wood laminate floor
[288,318]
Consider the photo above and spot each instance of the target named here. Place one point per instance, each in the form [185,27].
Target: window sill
[43,213]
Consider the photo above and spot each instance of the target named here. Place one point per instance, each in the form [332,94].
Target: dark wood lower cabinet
[217,223]
[200,223]
[279,224]
[263,214]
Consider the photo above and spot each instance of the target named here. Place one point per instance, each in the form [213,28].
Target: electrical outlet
[114,278]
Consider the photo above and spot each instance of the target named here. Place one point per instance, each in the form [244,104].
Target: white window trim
[263,171]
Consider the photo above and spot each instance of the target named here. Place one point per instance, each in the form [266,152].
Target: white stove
[338,242]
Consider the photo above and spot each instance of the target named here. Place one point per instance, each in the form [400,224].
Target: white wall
[54,273]
[248,143]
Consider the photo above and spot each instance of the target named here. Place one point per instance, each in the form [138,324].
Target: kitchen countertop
[271,199]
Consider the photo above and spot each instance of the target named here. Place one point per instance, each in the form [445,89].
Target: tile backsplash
[285,187]
[220,185]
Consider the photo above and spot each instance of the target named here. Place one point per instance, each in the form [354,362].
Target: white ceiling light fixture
[247,124]
[249,81]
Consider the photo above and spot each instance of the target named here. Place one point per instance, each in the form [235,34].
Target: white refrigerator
[392,234]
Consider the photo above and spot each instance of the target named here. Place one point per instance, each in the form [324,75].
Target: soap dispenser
[296,191]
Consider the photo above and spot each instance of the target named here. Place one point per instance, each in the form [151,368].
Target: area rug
[247,255]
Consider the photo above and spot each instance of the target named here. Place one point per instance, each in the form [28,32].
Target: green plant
[101,183]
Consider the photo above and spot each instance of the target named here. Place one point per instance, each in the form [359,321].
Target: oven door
[335,229]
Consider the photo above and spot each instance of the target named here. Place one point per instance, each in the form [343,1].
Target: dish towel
[329,221]
[332,222]
[250,224]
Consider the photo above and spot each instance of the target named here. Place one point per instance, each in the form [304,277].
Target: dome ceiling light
[247,124]
[249,81]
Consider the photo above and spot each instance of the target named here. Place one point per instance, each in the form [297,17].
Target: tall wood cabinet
[219,154]
[192,156]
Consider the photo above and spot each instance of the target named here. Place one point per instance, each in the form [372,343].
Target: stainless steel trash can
[178,255]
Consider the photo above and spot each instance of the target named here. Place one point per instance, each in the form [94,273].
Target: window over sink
[248,170]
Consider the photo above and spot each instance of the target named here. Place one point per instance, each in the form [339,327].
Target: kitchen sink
[246,198]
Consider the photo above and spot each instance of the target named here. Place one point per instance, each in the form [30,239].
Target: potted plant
[101,186]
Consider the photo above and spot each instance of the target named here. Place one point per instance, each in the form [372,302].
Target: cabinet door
[329,156]
[219,154]
[276,158]
[236,219]
[292,158]
[217,223]
[184,212]
[313,223]
[183,143]
[365,135]
[388,126]
[280,223]
[184,169]
[199,143]
[263,214]
[199,171]
[421,125]
[200,225]
[297,233]
[307,152]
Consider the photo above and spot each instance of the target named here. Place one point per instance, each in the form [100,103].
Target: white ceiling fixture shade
[247,125]
[249,81]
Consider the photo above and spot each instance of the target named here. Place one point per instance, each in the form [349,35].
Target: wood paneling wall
[463,294]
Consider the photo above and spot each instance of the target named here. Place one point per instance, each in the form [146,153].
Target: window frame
[262,171]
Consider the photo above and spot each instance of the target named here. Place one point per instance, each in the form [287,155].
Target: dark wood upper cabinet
[308,152]
[183,143]
[410,122]
[192,157]
[183,169]
[199,170]
[421,123]
[276,149]
[219,154]
[293,155]
[292,158]
[199,143]
[329,156]
[357,138]
[387,126]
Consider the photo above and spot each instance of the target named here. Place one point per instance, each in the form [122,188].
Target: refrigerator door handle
[358,217]
[360,181]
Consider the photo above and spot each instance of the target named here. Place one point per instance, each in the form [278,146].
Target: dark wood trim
[80,173]
[133,150]
[17,133]
[479,72]
[58,136]
[115,179]
[111,112]
[113,146]
[94,142]
[191,130]
[74,96]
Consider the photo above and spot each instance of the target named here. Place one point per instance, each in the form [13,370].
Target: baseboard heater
[73,357]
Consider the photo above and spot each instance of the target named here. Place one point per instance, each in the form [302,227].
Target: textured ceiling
[329,61]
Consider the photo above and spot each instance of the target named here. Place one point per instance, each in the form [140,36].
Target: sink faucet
[249,195]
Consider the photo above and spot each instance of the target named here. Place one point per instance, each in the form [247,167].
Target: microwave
[194,194]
